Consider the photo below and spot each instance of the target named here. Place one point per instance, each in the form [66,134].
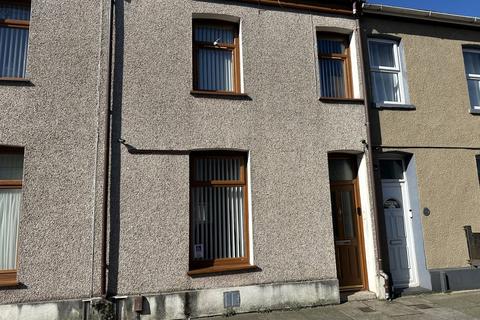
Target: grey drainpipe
[368,143]
[106,167]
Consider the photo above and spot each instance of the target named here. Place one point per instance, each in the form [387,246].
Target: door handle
[340,242]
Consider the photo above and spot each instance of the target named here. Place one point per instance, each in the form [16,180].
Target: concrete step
[357,296]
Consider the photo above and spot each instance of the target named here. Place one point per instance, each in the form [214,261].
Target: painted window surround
[472,77]
[399,69]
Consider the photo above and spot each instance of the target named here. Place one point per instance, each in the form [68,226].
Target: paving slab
[415,300]
[450,306]
[324,313]
[392,308]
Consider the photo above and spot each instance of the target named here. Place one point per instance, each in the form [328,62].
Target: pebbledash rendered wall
[284,127]
[448,180]
[57,118]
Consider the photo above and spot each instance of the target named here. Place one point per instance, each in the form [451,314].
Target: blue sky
[462,7]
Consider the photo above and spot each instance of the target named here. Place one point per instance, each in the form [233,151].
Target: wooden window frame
[15,23]
[345,57]
[397,69]
[234,48]
[8,278]
[224,264]
[472,76]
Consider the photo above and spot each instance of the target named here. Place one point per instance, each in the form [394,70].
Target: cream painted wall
[447,179]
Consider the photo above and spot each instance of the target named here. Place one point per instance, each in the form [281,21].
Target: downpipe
[357,11]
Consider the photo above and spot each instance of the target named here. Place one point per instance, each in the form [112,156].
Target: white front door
[398,222]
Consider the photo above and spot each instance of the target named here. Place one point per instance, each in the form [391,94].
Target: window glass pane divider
[473,76]
[385,69]
[210,45]
[332,56]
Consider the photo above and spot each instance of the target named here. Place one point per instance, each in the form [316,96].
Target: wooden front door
[348,230]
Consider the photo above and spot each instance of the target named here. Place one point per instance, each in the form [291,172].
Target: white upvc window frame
[397,69]
[472,76]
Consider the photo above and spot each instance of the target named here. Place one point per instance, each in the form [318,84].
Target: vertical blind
[9,215]
[10,169]
[215,69]
[218,211]
[332,67]
[13,41]
[208,169]
[214,56]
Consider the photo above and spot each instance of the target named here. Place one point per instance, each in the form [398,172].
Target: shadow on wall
[115,178]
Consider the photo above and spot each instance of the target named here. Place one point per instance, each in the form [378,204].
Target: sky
[461,7]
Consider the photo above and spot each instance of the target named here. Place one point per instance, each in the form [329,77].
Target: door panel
[349,257]
[396,221]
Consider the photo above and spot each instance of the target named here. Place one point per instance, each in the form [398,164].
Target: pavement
[463,305]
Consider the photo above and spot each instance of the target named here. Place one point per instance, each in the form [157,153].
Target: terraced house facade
[175,159]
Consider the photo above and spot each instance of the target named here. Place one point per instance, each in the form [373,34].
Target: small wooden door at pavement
[348,231]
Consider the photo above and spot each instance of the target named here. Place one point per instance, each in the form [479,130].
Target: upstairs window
[216,56]
[219,212]
[472,71]
[386,72]
[14,24]
[334,65]
[11,172]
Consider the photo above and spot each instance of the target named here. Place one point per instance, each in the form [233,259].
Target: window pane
[218,222]
[212,33]
[9,215]
[472,62]
[347,214]
[13,52]
[341,169]
[207,169]
[328,46]
[215,70]
[382,54]
[12,11]
[386,87]
[391,169]
[477,159]
[474,92]
[332,78]
[11,166]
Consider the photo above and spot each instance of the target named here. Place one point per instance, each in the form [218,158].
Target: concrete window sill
[342,100]
[394,106]
[220,95]
[222,270]
[15,81]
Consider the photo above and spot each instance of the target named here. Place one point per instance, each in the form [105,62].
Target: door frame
[359,217]
[414,228]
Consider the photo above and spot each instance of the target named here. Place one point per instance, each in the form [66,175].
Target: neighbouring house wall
[284,127]
[55,119]
[447,179]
